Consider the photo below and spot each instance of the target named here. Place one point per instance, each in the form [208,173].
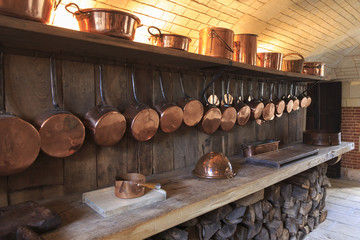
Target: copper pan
[242,109]
[20,141]
[132,185]
[294,98]
[279,103]
[268,112]
[171,115]
[61,132]
[192,108]
[256,106]
[142,121]
[106,123]
[228,112]
[174,41]
[289,103]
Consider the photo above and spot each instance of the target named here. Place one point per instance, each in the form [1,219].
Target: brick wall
[350,130]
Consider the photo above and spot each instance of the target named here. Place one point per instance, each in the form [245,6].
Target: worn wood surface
[3,192]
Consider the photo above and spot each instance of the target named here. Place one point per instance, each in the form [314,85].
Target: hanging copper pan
[255,105]
[61,132]
[19,141]
[303,100]
[242,109]
[192,108]
[142,121]
[106,123]
[268,112]
[279,103]
[294,98]
[289,103]
[228,112]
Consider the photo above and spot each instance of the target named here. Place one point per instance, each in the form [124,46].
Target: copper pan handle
[213,32]
[156,186]
[294,54]
[56,5]
[133,86]
[182,86]
[101,86]
[74,5]
[157,29]
[53,82]
[2,84]
[162,87]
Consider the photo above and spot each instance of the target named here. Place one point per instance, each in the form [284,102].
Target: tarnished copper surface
[259,147]
[211,45]
[314,68]
[268,113]
[106,123]
[256,108]
[228,118]
[170,41]
[293,65]
[270,60]
[245,48]
[279,106]
[289,105]
[193,111]
[243,113]
[142,121]
[61,134]
[19,144]
[211,120]
[171,116]
[213,165]
[303,101]
[296,105]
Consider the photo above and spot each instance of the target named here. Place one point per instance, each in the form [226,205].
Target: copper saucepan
[279,103]
[19,141]
[255,105]
[289,103]
[268,112]
[242,109]
[169,40]
[302,99]
[228,112]
[171,115]
[294,98]
[132,185]
[192,108]
[61,132]
[106,123]
[142,121]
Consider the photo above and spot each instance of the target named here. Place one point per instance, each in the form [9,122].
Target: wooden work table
[188,197]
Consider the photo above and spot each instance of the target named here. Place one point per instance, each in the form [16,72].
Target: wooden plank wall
[28,95]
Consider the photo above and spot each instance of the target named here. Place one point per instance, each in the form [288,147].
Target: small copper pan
[268,112]
[192,108]
[294,98]
[289,103]
[106,123]
[61,132]
[19,141]
[228,112]
[132,185]
[303,100]
[171,115]
[142,121]
[279,103]
[255,105]
[243,110]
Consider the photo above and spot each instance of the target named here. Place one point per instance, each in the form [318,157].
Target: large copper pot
[272,60]
[293,65]
[228,112]
[106,21]
[36,10]
[242,109]
[169,40]
[314,68]
[245,48]
[216,42]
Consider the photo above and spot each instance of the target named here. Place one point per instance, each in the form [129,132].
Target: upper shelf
[23,34]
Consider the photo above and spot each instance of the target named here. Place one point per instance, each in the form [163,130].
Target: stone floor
[343,220]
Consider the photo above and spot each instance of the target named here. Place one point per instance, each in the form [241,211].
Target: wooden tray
[283,156]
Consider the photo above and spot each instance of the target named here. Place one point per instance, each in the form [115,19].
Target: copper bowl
[213,165]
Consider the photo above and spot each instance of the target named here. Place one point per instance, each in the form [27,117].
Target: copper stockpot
[169,40]
[279,104]
[106,21]
[242,109]
[314,68]
[132,185]
[214,165]
[216,42]
[293,65]
[289,103]
[268,113]
[171,115]
[245,48]
[106,123]
[20,141]
[36,10]
[228,112]
[193,109]
[256,106]
[142,121]
[272,60]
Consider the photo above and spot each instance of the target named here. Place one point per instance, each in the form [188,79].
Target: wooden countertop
[188,197]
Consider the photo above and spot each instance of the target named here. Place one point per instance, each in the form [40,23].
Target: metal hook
[162,87]
[101,86]
[133,86]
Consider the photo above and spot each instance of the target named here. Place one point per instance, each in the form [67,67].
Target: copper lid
[110,128]
[213,165]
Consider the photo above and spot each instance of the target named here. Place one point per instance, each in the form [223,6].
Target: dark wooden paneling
[3,192]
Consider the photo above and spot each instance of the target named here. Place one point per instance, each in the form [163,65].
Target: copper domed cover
[213,165]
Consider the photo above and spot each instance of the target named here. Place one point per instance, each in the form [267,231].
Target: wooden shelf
[188,197]
[27,35]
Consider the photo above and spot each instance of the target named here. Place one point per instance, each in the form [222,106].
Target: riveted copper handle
[157,29]
[156,186]
[74,5]
[213,32]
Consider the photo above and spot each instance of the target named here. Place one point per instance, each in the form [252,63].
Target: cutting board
[105,203]
[279,158]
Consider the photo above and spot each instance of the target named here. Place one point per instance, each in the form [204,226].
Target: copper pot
[272,60]
[20,141]
[256,106]
[279,104]
[216,42]
[61,132]
[228,112]
[242,109]
[314,68]
[169,40]
[142,121]
[171,115]
[268,113]
[36,10]
[193,109]
[106,21]
[214,165]
[293,65]
[245,48]
[132,185]
[106,123]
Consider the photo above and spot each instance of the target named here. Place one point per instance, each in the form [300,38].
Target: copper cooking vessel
[268,113]
[61,132]
[255,148]
[296,101]
[289,103]
[242,109]
[106,21]
[228,112]
[314,68]
[142,121]
[106,123]
[293,65]
[20,141]
[245,48]
[132,185]
[169,40]
[35,10]
[279,103]
[216,42]
[272,60]
[171,115]
[214,165]
[256,106]
[193,109]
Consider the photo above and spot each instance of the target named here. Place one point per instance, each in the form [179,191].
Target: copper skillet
[228,112]
[243,110]
[279,103]
[19,141]
[289,103]
[268,112]
[142,121]
[171,115]
[106,123]
[294,98]
[303,100]
[192,108]
[61,132]
[255,105]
